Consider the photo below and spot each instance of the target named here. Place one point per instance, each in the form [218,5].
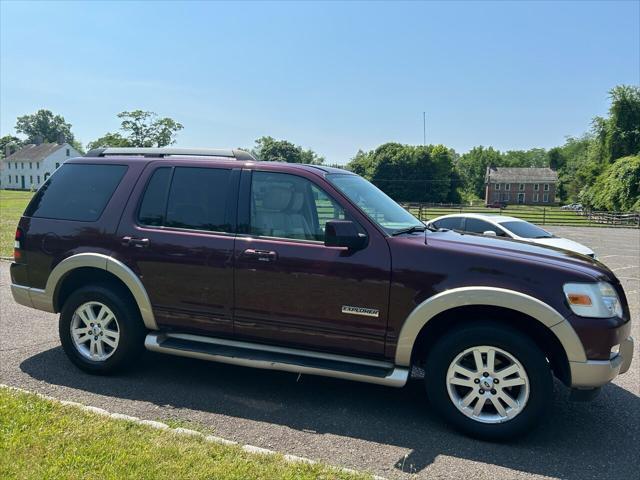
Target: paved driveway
[390,432]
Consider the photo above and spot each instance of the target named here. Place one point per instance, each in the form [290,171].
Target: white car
[508,227]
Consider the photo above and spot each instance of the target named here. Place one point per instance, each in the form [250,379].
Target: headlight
[598,300]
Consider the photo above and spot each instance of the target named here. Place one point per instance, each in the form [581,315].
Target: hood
[504,247]
[564,244]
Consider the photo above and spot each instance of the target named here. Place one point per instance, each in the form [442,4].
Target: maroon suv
[308,269]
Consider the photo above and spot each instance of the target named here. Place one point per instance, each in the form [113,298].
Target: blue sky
[335,77]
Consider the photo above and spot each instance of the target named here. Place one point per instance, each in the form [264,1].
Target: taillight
[18,245]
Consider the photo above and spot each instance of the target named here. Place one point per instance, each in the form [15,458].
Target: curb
[181,431]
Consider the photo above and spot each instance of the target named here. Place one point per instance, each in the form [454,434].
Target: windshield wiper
[412,229]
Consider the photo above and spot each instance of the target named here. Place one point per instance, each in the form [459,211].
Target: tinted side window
[449,223]
[473,225]
[198,199]
[288,206]
[154,202]
[76,192]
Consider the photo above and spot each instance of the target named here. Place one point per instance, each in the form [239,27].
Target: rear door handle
[135,242]
[261,255]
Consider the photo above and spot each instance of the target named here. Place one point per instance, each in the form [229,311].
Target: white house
[30,166]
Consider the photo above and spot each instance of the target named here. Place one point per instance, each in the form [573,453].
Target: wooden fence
[537,215]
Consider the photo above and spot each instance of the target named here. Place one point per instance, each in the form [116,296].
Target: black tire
[511,341]
[131,328]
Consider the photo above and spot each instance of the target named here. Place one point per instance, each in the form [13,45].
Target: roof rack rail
[166,152]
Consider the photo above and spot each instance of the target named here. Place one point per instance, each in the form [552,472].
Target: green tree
[45,124]
[362,164]
[140,129]
[536,157]
[623,125]
[472,168]
[617,187]
[571,160]
[268,149]
[409,173]
[110,140]
[10,140]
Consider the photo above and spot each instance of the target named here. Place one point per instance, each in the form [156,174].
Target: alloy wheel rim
[488,384]
[95,331]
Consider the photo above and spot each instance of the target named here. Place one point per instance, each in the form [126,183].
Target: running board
[277,358]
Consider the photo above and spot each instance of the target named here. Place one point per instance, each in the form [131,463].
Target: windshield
[375,203]
[526,230]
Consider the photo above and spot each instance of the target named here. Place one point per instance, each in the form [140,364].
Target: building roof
[520,175]
[34,153]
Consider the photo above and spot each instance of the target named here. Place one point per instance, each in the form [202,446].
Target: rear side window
[152,208]
[196,199]
[451,223]
[76,192]
[474,225]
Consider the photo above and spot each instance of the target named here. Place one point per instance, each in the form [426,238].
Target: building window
[37,165]
[30,165]
[507,186]
[536,197]
[536,186]
[16,165]
[57,165]
[68,152]
[546,187]
[38,179]
[31,179]
[9,164]
[521,187]
[22,165]
[545,198]
[497,186]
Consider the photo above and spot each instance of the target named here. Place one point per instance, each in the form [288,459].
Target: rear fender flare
[109,264]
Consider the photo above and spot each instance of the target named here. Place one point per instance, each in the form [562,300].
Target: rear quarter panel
[49,241]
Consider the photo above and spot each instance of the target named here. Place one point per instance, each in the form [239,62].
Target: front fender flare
[499,297]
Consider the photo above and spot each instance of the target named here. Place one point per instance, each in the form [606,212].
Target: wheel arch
[81,267]
[434,316]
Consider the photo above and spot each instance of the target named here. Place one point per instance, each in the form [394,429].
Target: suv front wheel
[489,381]
[100,329]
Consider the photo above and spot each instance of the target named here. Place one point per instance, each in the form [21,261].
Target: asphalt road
[389,432]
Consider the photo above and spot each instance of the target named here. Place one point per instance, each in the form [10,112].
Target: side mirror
[490,233]
[344,233]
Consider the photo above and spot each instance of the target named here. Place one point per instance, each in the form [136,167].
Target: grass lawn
[12,204]
[40,438]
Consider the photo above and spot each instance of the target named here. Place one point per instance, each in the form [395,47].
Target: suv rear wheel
[489,381]
[100,329]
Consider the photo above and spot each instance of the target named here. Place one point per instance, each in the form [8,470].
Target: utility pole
[424,129]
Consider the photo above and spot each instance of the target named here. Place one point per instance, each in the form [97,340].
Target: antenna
[424,129]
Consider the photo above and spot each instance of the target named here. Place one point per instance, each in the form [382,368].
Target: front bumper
[595,373]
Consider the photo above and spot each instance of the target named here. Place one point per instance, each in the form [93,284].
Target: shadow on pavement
[580,440]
